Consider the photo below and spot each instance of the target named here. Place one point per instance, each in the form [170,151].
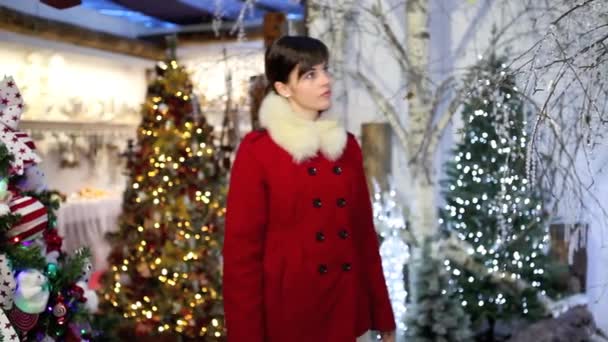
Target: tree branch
[402,56]
[556,21]
[387,109]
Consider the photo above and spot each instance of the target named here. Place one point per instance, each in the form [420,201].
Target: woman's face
[310,92]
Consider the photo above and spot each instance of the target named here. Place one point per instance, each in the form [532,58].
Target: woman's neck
[303,113]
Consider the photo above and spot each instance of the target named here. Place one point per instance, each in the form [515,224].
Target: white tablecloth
[84,222]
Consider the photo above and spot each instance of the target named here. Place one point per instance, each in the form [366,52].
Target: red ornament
[60,310]
[53,241]
[77,293]
[34,218]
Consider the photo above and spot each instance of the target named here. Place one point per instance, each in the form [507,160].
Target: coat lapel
[302,138]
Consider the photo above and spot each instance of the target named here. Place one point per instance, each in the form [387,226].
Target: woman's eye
[310,75]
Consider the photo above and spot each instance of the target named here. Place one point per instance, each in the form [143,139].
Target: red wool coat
[301,260]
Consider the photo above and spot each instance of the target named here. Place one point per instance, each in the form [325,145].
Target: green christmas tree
[165,264]
[491,203]
[435,313]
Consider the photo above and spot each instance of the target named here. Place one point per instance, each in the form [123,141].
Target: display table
[84,223]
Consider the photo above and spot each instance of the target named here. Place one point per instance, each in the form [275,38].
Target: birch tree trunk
[329,21]
[423,211]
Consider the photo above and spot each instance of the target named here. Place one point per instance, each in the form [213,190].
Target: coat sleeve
[246,215]
[382,315]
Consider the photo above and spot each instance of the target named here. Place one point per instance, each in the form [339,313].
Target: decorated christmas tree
[44,293]
[435,313]
[165,262]
[493,205]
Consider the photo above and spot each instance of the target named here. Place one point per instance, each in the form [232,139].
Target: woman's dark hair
[289,52]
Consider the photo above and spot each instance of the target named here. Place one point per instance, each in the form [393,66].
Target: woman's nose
[326,78]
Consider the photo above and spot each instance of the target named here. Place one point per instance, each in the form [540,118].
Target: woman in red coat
[301,260]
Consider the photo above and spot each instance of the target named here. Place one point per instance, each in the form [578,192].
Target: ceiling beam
[263,7]
[282,6]
[208,36]
[230,9]
[18,22]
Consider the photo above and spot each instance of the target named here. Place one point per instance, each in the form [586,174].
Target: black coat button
[320,236]
[322,269]
[341,202]
[343,234]
[346,267]
[337,170]
[312,171]
[316,203]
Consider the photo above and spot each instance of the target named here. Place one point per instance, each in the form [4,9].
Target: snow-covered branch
[387,109]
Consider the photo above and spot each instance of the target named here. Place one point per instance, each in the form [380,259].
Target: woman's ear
[282,89]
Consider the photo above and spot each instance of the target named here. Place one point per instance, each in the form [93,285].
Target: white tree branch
[387,109]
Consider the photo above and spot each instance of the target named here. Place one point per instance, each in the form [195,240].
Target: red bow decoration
[77,293]
[53,241]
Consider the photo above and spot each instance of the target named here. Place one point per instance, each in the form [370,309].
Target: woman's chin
[324,106]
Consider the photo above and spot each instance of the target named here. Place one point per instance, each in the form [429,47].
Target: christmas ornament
[33,179]
[3,187]
[90,296]
[60,310]
[77,293]
[51,270]
[52,252]
[7,283]
[52,240]
[33,220]
[87,271]
[32,293]
[5,197]
[160,68]
[23,321]
[81,291]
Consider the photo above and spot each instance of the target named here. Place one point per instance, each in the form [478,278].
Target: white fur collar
[300,137]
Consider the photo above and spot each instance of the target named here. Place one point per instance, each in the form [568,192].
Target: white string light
[389,222]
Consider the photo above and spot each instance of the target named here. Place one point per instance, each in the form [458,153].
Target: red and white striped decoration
[34,218]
